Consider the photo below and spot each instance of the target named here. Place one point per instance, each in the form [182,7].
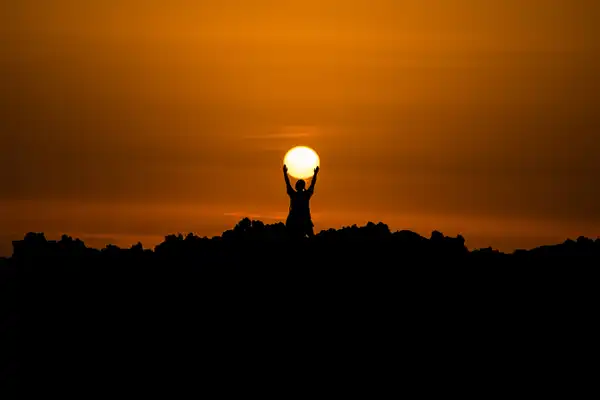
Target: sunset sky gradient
[129,120]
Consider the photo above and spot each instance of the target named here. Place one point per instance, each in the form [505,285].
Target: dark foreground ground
[253,302]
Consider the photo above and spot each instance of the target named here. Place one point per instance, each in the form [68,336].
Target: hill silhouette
[78,314]
[267,241]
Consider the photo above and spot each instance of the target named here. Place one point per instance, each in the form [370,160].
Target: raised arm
[311,189]
[288,185]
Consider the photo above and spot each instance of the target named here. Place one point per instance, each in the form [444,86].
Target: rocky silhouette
[77,315]
[267,241]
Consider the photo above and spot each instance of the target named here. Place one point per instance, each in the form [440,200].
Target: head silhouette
[300,185]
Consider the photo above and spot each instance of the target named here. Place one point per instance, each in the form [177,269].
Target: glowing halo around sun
[301,162]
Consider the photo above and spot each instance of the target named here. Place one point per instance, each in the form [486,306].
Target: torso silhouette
[299,203]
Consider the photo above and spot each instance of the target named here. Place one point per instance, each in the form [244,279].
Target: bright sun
[301,162]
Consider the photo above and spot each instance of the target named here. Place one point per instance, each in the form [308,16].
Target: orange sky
[128,119]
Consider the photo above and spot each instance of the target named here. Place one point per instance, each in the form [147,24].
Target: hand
[317,170]
[285,169]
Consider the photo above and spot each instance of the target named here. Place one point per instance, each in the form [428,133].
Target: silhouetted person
[299,222]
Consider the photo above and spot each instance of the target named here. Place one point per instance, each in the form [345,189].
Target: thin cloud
[287,132]
[271,216]
[276,136]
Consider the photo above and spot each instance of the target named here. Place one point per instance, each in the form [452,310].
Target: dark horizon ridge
[248,231]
